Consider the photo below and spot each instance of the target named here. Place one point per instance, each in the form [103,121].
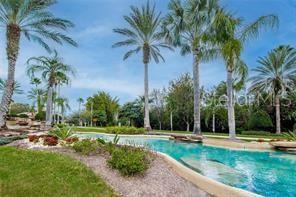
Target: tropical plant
[189,26]
[61,131]
[32,19]
[231,34]
[16,87]
[291,136]
[143,34]
[276,75]
[52,70]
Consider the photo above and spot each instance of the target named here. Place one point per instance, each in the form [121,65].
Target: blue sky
[100,67]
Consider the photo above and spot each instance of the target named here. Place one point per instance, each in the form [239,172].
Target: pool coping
[238,147]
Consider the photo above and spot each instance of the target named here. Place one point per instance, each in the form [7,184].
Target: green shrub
[8,140]
[125,130]
[86,147]
[61,131]
[256,133]
[23,116]
[101,141]
[129,161]
[260,120]
[40,116]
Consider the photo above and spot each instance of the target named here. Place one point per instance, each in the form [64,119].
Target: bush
[260,120]
[40,116]
[23,116]
[50,140]
[61,131]
[125,130]
[8,140]
[86,147]
[257,133]
[72,140]
[129,161]
[33,138]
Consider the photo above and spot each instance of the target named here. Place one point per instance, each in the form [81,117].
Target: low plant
[8,140]
[87,146]
[33,138]
[125,130]
[129,161]
[290,136]
[61,131]
[23,116]
[101,141]
[40,116]
[71,140]
[50,140]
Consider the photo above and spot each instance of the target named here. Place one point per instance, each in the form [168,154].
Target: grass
[33,173]
[209,134]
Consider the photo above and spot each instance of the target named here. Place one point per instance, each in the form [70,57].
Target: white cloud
[109,84]
[94,30]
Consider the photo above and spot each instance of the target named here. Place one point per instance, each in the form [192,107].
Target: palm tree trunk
[196,80]
[49,106]
[187,126]
[213,123]
[278,114]
[231,115]
[13,35]
[146,95]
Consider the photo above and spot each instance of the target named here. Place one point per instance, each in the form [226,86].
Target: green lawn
[208,134]
[34,173]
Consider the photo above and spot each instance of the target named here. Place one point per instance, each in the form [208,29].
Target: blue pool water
[265,173]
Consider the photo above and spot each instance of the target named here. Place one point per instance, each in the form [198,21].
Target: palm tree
[52,71]
[38,96]
[143,34]
[16,90]
[276,75]
[33,20]
[189,26]
[231,35]
[80,102]
[63,106]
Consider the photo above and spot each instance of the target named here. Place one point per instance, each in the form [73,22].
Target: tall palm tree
[32,19]
[231,36]
[189,26]
[276,75]
[52,71]
[80,102]
[143,34]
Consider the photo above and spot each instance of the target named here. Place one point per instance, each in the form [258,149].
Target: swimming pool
[265,173]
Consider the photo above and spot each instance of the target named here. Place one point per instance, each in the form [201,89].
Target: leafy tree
[53,71]
[276,75]
[159,97]
[144,35]
[33,20]
[180,96]
[189,26]
[231,35]
[104,106]
[18,108]
[131,114]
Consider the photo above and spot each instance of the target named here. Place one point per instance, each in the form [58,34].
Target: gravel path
[159,180]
